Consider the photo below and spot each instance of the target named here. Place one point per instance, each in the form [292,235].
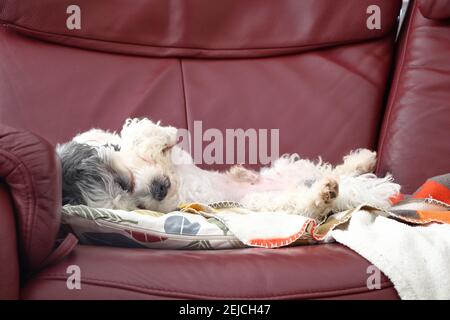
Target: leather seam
[183,87]
[119,284]
[19,28]
[387,124]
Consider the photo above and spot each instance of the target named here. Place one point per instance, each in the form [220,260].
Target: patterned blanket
[430,203]
[227,225]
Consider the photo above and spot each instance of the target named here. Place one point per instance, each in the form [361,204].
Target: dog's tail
[365,189]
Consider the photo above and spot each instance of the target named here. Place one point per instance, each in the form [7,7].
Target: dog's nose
[159,187]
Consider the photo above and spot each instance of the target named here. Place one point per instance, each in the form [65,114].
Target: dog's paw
[239,173]
[358,162]
[147,139]
[367,160]
[328,191]
[363,160]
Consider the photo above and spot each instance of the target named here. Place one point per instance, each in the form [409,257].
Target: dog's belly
[264,184]
[197,185]
[269,184]
[278,184]
[220,188]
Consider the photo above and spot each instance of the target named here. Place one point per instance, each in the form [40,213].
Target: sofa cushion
[201,28]
[58,91]
[219,225]
[323,102]
[314,272]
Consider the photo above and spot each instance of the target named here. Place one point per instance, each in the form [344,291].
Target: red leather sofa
[311,68]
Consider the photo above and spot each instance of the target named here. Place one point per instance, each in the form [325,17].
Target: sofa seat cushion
[318,271]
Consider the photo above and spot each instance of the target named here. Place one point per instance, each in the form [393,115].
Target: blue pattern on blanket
[181,225]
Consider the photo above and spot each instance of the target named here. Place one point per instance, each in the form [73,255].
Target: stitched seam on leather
[361,292]
[398,75]
[313,45]
[353,290]
[184,93]
[30,209]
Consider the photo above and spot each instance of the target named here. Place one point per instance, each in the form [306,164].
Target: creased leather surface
[59,91]
[322,271]
[201,28]
[323,103]
[414,142]
[9,266]
[338,90]
[29,167]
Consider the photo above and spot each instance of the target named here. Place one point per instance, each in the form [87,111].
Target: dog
[144,168]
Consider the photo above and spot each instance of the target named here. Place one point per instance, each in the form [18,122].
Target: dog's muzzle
[159,187]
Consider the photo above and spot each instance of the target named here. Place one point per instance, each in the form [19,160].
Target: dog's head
[134,172]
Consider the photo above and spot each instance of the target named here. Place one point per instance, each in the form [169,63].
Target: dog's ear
[81,169]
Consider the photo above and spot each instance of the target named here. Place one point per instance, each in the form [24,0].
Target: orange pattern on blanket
[278,242]
[436,216]
[396,198]
[430,203]
[435,190]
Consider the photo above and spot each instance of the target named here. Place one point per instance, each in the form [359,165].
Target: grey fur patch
[309,182]
[83,172]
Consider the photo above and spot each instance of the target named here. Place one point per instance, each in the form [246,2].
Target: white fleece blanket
[415,258]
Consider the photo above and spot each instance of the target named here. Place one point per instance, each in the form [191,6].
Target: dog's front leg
[241,174]
[98,137]
[315,201]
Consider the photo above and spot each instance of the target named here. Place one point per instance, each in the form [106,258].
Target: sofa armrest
[9,266]
[31,172]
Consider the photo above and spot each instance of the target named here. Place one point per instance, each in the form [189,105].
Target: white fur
[291,184]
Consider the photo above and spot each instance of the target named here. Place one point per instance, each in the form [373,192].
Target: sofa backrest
[317,70]
[415,139]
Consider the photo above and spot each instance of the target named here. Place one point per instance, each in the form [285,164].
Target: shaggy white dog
[142,167]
